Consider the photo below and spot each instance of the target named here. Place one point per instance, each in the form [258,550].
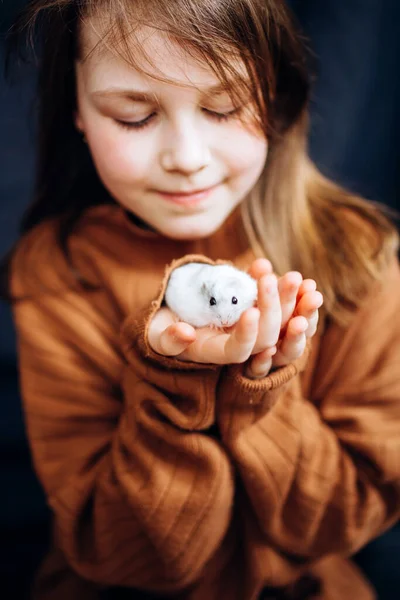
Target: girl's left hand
[288,316]
[287,313]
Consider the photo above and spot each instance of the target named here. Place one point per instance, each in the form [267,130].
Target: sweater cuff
[243,401]
[238,389]
[134,330]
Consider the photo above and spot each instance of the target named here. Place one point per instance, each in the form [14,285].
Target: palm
[287,310]
[207,345]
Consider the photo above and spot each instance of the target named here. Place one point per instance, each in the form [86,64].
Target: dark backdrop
[355,126]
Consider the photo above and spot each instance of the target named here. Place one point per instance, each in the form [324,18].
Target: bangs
[203,32]
[251,46]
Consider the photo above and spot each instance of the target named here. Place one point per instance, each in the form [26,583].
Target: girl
[181,463]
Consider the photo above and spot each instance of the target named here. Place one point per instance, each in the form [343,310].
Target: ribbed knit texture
[192,480]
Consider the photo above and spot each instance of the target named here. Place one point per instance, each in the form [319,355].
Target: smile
[188,198]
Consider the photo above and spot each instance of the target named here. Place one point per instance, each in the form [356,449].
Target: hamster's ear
[203,289]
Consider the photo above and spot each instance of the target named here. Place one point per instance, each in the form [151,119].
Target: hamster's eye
[234,300]
[213,301]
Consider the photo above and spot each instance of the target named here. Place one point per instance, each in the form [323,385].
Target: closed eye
[222,116]
[144,122]
[136,124]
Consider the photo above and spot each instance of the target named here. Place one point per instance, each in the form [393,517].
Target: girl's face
[175,154]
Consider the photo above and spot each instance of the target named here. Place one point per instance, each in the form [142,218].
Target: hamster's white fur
[204,295]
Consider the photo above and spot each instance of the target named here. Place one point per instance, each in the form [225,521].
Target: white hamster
[204,295]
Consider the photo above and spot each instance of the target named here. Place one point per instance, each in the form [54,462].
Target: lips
[188,193]
[188,198]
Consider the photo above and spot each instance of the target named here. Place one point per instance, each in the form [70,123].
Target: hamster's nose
[225,322]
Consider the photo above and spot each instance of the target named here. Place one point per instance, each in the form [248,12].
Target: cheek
[244,153]
[118,156]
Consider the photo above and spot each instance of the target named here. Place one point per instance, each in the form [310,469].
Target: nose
[185,150]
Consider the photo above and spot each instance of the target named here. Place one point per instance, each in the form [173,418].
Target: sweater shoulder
[108,263]
[100,242]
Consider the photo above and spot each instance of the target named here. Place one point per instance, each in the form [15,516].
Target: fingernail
[178,339]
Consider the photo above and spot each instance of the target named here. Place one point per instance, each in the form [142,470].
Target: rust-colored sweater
[189,480]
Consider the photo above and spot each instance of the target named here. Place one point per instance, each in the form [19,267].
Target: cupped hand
[299,303]
[206,345]
[287,313]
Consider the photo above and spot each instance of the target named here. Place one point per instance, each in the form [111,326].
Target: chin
[188,233]
[196,227]
[184,236]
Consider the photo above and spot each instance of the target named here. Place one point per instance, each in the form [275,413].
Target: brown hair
[295,216]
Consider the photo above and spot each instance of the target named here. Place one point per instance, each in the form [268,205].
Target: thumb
[175,339]
[168,337]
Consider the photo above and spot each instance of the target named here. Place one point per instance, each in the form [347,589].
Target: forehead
[147,54]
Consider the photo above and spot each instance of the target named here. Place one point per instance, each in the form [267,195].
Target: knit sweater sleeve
[321,474]
[141,495]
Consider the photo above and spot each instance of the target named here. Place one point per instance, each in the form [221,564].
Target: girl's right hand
[256,332]
[205,345]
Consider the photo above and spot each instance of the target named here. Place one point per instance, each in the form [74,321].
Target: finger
[240,342]
[307,285]
[293,344]
[312,324]
[260,267]
[261,363]
[308,307]
[168,337]
[288,286]
[310,302]
[270,313]
[176,338]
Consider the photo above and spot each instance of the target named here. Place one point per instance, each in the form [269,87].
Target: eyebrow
[137,96]
[122,92]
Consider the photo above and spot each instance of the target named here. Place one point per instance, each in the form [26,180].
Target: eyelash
[142,124]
